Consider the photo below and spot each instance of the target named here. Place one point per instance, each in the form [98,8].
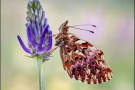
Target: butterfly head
[63,29]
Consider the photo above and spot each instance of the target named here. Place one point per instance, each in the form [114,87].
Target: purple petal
[43,18]
[28,20]
[42,38]
[30,36]
[23,46]
[42,29]
[34,30]
[46,57]
[38,29]
[49,41]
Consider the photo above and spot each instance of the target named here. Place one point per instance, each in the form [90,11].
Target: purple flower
[39,35]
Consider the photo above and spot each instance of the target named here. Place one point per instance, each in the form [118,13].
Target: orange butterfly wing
[84,61]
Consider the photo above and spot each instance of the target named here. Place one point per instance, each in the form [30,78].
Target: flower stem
[40,74]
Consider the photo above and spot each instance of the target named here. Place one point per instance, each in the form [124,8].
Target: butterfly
[81,59]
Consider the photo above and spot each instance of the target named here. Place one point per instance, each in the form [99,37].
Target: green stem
[40,74]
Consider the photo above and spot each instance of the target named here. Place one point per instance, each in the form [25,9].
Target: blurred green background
[114,35]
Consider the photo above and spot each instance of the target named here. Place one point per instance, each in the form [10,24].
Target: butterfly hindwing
[84,61]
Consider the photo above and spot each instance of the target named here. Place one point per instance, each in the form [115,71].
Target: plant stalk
[40,74]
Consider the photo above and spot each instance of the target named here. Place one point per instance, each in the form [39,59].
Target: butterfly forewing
[82,60]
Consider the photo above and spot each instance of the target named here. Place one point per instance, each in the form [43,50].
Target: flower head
[39,35]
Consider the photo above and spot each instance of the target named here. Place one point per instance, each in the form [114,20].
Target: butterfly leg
[53,49]
[53,35]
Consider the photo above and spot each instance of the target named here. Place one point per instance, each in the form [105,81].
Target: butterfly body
[82,60]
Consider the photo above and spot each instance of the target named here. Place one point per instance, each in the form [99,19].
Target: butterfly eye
[58,42]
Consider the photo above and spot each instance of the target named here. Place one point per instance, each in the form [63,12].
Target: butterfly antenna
[85,25]
[80,29]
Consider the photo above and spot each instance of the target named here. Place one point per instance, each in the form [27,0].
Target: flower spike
[39,35]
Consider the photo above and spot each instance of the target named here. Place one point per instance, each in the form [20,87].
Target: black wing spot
[89,67]
[74,47]
[95,57]
[81,58]
[103,61]
[83,50]
[76,58]
[78,69]
[92,63]
[68,49]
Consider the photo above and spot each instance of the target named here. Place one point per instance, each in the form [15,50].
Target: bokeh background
[114,35]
